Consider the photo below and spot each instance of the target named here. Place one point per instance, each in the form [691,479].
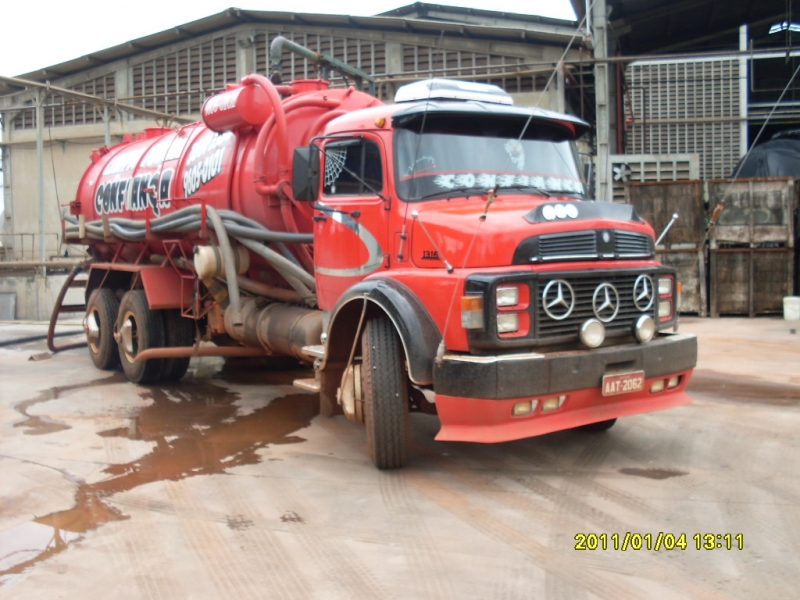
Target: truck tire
[599,426]
[178,331]
[101,315]
[140,329]
[385,390]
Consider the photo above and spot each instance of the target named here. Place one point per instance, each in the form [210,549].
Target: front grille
[584,288]
[629,244]
[550,326]
[584,245]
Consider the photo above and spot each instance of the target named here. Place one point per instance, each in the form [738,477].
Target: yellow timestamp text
[659,541]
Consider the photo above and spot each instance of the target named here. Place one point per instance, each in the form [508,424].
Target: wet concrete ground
[230,485]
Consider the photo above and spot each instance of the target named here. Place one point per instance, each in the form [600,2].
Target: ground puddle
[41,424]
[197,429]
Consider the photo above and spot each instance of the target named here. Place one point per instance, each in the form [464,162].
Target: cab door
[350,217]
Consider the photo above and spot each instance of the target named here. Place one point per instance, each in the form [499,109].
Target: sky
[42,33]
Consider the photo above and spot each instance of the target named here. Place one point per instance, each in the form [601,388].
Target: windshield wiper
[519,186]
[457,190]
[575,194]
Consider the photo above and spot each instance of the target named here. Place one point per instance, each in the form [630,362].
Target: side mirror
[305,173]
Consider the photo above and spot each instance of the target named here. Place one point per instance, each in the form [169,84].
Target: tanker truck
[438,255]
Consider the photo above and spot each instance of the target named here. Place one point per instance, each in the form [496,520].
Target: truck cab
[455,244]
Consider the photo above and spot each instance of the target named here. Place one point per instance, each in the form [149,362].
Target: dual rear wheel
[140,328]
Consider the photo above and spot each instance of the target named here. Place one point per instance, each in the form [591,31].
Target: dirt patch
[742,389]
[653,473]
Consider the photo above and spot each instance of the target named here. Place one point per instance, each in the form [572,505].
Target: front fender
[418,332]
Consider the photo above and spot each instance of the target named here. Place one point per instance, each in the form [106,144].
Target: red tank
[239,158]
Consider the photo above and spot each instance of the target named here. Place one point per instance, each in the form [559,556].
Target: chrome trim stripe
[374,250]
[473,358]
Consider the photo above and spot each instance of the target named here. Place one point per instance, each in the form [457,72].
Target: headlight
[665,286]
[507,322]
[507,296]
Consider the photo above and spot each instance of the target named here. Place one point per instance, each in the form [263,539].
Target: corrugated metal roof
[539,30]
[658,26]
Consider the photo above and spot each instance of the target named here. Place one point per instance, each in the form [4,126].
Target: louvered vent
[60,111]
[685,107]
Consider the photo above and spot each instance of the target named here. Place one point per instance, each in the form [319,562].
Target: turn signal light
[472,312]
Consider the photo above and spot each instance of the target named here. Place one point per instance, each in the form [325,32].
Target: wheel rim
[93,330]
[129,336]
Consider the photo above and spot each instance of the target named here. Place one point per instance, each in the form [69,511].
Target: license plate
[624,383]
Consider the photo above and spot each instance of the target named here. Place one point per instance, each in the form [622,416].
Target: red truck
[437,254]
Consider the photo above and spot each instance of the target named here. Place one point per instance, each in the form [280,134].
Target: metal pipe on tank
[280,123]
[320,123]
[266,135]
[268,291]
[190,351]
[282,265]
[227,258]
[322,60]
[281,187]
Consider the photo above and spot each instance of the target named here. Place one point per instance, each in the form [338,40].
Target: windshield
[440,164]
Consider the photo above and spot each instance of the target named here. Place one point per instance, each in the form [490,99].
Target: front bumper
[532,374]
[475,395]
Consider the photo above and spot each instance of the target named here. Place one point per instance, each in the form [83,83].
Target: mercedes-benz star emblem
[643,293]
[558,299]
[605,302]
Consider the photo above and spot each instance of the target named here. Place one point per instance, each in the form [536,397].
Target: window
[353,168]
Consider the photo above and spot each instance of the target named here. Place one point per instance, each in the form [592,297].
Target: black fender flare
[417,330]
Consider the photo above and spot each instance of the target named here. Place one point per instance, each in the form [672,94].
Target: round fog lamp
[644,329]
[593,333]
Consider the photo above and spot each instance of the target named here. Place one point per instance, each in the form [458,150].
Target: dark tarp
[779,157]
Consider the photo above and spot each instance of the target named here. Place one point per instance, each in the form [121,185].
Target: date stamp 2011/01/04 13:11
[659,541]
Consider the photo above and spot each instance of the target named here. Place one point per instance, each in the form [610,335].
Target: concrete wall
[66,158]
[36,295]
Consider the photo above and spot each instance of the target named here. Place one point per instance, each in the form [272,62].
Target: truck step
[314,351]
[312,385]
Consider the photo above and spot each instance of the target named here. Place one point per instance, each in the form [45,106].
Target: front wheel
[385,391]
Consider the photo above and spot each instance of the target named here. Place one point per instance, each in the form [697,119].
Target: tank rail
[72,281]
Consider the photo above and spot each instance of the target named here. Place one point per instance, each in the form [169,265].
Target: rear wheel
[178,332]
[599,426]
[101,315]
[385,391]
[140,329]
